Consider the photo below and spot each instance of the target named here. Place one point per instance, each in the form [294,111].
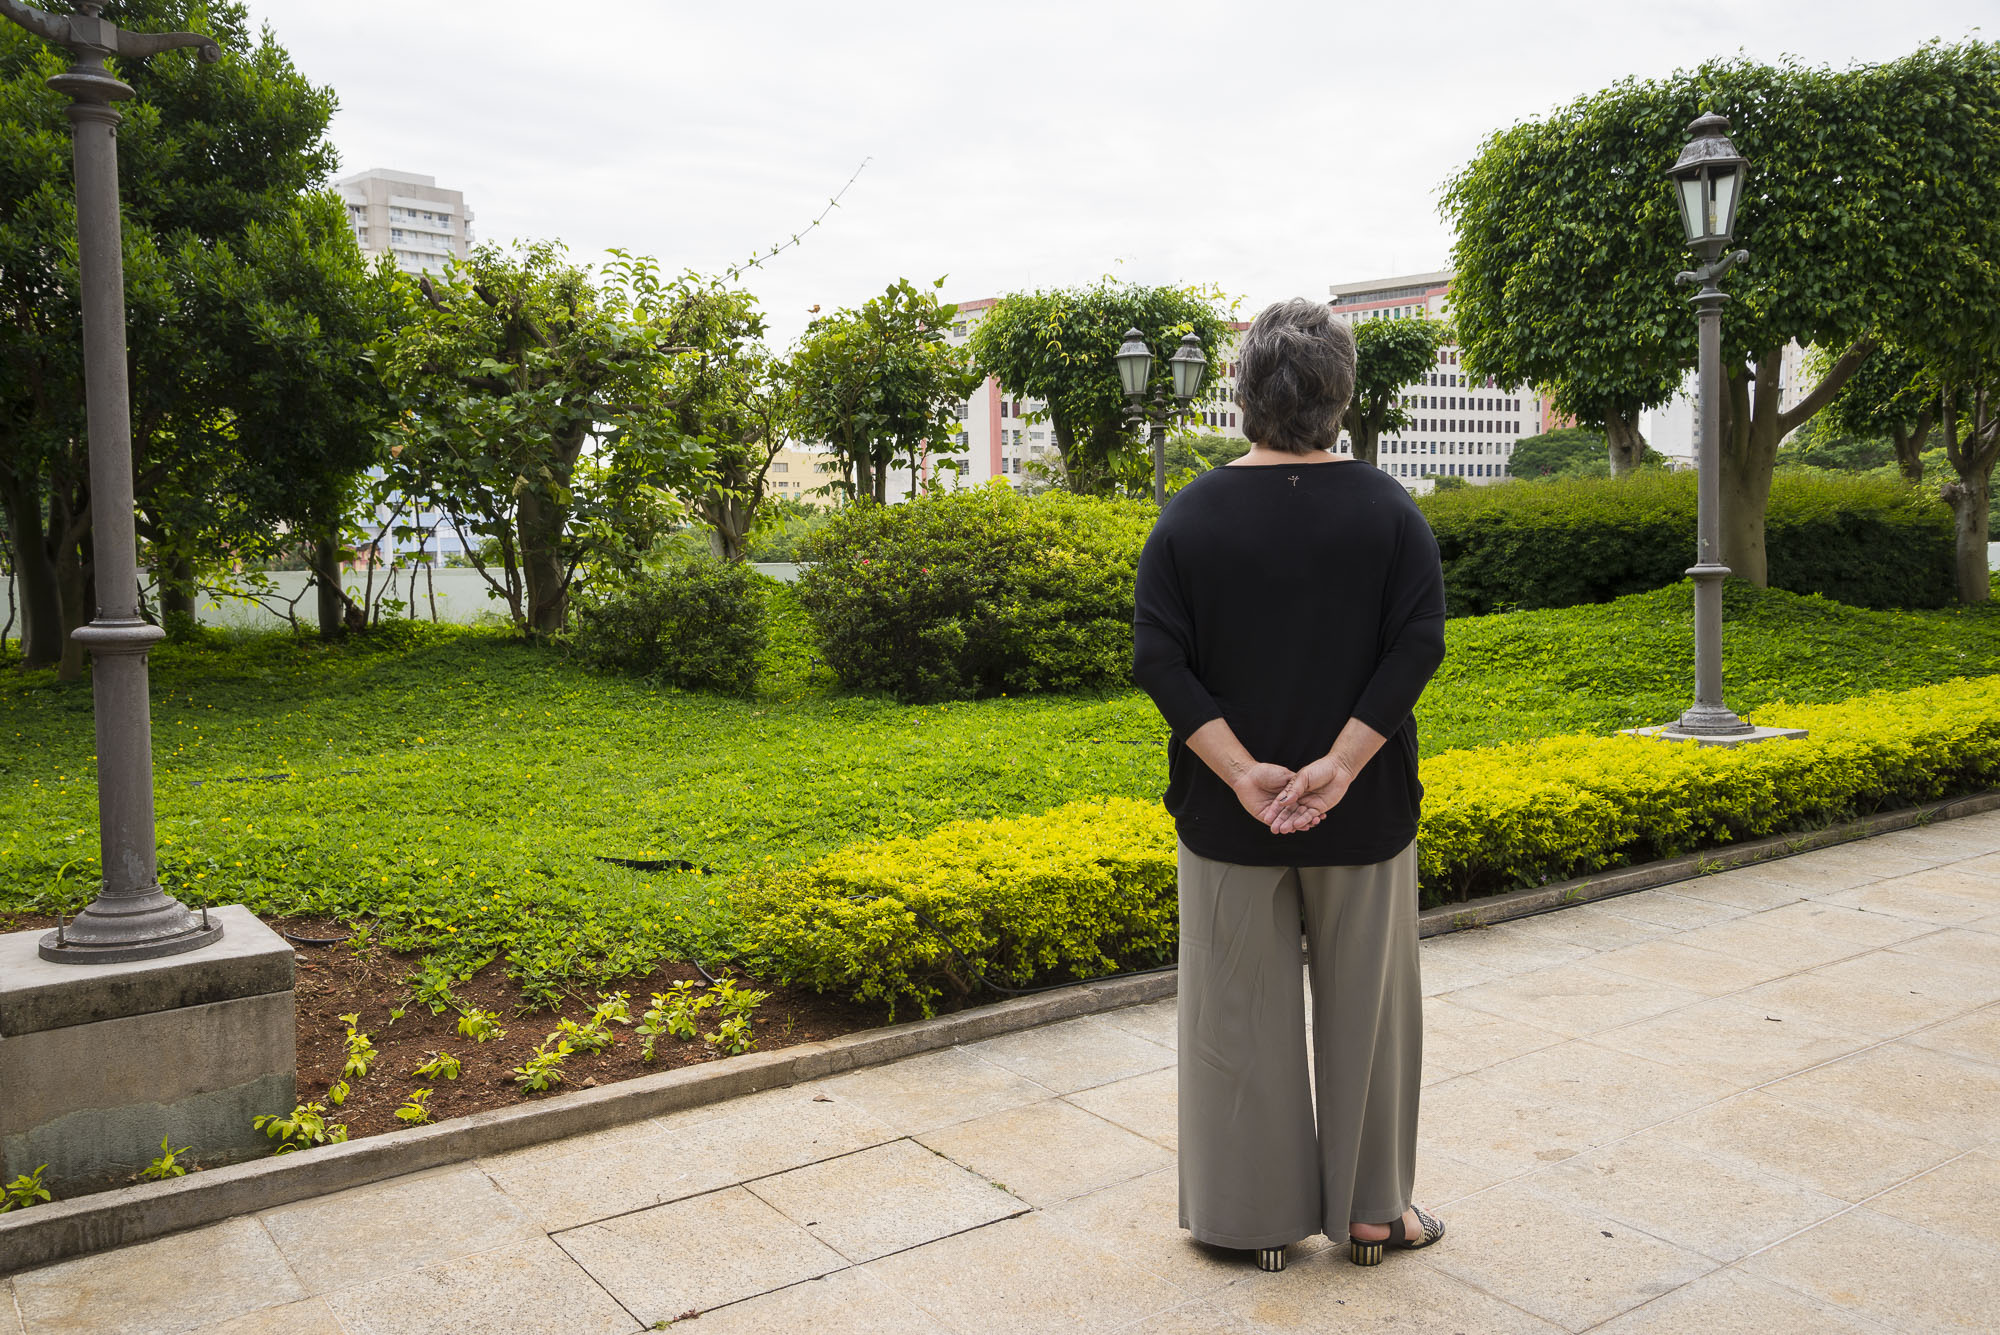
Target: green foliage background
[1869,542]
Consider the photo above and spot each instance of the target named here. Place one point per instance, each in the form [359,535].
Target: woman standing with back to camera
[1290,612]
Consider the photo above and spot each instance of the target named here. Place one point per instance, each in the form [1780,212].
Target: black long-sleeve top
[1288,599]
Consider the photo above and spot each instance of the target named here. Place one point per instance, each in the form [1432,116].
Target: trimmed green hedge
[972,593]
[1088,888]
[1867,542]
[1083,890]
[1506,816]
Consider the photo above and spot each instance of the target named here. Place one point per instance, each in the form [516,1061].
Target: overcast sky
[1270,147]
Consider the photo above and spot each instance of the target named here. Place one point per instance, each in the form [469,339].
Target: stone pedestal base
[1667,733]
[98,1061]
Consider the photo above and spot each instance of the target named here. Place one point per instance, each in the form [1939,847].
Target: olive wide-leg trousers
[1268,1157]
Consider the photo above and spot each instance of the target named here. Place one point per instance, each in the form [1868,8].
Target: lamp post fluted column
[131,918]
[1709,716]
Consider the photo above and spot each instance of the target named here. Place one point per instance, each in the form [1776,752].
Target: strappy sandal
[1370,1253]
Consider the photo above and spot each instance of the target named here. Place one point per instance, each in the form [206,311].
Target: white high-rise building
[1460,427]
[407,217]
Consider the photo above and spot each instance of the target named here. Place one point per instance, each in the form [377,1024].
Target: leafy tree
[879,384]
[1060,347]
[1555,452]
[1891,396]
[507,371]
[1871,191]
[1389,356]
[730,400]
[229,260]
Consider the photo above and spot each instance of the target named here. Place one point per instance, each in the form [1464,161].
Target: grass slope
[457,787]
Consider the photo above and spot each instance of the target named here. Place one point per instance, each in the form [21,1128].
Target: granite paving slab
[698,1253]
[877,1201]
[161,1287]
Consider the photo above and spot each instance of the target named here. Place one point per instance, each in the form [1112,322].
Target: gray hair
[1295,374]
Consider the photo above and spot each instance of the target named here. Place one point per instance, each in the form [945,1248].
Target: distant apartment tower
[1459,427]
[408,218]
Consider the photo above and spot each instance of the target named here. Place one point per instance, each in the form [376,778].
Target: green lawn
[456,786]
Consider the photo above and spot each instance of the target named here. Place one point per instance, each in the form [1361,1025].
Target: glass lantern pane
[1691,207]
[1187,376]
[1722,187]
[1134,370]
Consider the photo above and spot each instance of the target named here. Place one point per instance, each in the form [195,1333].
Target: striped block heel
[1371,1253]
[1270,1258]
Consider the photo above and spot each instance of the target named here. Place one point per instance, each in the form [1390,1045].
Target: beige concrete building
[801,474]
[408,217]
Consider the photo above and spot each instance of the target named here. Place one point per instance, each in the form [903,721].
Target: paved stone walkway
[1767,1101]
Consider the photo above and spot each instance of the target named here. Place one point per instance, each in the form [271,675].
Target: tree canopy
[1060,347]
[247,311]
[879,385]
[1563,450]
[1389,357]
[535,406]
[1873,193]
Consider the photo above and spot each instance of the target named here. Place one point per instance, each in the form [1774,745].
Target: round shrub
[696,623]
[976,593]
[1866,542]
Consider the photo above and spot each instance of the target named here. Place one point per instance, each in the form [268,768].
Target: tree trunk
[1752,427]
[729,521]
[78,605]
[1970,500]
[1970,496]
[1366,443]
[540,524]
[35,576]
[864,475]
[1624,442]
[1910,447]
[177,591]
[1750,434]
[337,612]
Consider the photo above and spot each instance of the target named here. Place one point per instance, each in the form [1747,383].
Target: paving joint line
[1716,1103]
[718,1190]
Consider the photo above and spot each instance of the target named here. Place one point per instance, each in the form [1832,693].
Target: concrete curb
[64,1229]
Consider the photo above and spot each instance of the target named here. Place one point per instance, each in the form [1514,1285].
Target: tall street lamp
[1708,183]
[1135,371]
[132,918]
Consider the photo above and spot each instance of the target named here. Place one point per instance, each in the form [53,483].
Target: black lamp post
[132,918]
[1708,183]
[1135,372]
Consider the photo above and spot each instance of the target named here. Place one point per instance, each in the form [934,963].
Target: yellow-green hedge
[1083,890]
[1505,816]
[1088,888]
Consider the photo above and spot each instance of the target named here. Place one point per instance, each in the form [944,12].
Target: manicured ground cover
[457,789]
